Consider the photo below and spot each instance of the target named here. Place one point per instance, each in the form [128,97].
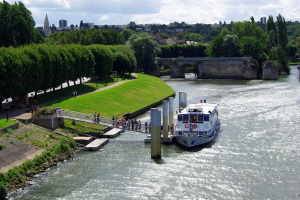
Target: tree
[16,25]
[216,48]
[196,37]
[103,59]
[132,25]
[298,46]
[127,33]
[231,46]
[145,50]
[252,47]
[252,20]
[282,41]
[121,63]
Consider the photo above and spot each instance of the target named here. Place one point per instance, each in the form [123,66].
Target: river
[255,156]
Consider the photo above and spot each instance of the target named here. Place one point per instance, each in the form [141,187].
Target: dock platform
[96,144]
[113,133]
[83,140]
[169,140]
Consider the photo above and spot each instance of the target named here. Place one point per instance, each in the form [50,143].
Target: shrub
[46,111]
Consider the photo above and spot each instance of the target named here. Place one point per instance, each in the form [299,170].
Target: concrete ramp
[113,133]
[96,144]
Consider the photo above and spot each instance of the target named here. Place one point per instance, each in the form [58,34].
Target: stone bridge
[221,68]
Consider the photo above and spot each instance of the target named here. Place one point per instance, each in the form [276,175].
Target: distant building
[263,20]
[63,23]
[46,30]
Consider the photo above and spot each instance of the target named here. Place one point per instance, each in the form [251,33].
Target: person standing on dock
[172,129]
[146,127]
[128,124]
[98,118]
[139,125]
[95,117]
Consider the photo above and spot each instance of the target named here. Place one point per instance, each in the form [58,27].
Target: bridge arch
[221,67]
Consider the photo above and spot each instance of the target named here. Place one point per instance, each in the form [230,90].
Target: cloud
[120,12]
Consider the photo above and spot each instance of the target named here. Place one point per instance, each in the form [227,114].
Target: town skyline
[122,12]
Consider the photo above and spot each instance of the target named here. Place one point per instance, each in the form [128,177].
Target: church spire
[46,22]
[46,29]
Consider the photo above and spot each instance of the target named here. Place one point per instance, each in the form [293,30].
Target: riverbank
[114,101]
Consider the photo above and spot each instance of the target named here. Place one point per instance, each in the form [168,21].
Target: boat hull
[197,140]
[194,141]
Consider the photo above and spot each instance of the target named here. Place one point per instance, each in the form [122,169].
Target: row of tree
[176,50]
[17,25]
[88,37]
[40,67]
[248,39]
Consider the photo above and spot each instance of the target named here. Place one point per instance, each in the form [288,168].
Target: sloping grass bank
[4,123]
[120,100]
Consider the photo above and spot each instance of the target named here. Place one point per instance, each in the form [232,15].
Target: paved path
[14,155]
[18,111]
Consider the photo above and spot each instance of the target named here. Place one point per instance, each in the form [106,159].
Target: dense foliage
[41,67]
[175,50]
[17,25]
[145,49]
[88,37]
[248,39]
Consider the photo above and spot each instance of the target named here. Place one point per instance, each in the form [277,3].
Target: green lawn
[4,123]
[294,62]
[84,88]
[117,101]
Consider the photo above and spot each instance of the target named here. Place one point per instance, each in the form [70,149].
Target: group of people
[132,124]
[97,118]
[34,106]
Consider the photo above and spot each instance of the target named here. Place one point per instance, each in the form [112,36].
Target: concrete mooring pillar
[171,110]
[165,119]
[182,100]
[155,133]
[299,72]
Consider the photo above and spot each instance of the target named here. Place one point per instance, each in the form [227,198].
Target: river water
[255,156]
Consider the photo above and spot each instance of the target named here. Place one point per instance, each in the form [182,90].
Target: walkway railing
[105,121]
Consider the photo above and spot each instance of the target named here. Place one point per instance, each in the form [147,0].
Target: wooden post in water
[165,119]
[299,72]
[155,133]
[171,110]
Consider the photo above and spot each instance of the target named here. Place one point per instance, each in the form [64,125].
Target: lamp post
[6,109]
[83,85]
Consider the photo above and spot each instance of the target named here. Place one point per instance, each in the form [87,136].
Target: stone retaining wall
[13,126]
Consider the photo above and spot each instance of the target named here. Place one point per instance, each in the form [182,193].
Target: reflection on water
[255,156]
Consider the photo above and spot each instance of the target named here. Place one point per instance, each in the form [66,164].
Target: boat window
[185,118]
[193,118]
[179,118]
[200,118]
[206,118]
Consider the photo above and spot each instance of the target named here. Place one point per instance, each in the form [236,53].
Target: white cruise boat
[197,124]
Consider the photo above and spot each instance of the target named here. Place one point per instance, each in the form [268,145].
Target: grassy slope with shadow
[117,101]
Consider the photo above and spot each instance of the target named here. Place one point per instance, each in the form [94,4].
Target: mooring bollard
[171,111]
[165,119]
[155,133]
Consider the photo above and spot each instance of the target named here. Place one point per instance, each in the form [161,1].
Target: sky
[121,12]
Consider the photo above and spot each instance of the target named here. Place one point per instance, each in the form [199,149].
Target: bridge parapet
[208,67]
